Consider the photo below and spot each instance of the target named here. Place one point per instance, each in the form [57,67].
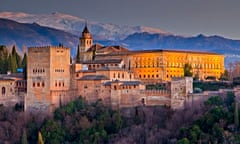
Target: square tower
[48,77]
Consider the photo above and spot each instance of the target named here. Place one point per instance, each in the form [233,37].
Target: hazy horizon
[186,17]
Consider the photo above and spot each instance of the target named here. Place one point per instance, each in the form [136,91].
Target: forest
[213,121]
[11,61]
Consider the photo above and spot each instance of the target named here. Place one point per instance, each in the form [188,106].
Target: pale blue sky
[181,17]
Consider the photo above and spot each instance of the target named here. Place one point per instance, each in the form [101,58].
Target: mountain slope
[75,25]
[19,34]
[200,42]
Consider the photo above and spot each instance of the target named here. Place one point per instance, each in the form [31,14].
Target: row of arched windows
[59,70]
[59,84]
[118,75]
[148,76]
[39,84]
[38,70]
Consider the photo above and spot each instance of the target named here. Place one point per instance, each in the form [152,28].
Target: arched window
[33,84]
[43,84]
[3,90]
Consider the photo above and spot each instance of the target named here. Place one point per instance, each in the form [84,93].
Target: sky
[180,17]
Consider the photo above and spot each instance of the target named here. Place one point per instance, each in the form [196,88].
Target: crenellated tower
[85,43]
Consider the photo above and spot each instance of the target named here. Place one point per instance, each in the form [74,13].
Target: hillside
[19,34]
[74,25]
[203,43]
[36,31]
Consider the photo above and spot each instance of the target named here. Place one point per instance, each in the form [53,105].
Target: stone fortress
[118,76]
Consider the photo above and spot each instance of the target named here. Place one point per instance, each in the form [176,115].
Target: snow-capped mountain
[74,25]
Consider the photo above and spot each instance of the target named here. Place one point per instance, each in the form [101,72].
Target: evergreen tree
[16,57]
[78,55]
[3,59]
[40,139]
[187,70]
[24,137]
[24,65]
[12,64]
[236,118]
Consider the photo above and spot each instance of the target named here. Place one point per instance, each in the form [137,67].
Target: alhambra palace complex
[116,75]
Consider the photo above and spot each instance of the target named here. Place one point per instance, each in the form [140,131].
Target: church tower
[86,42]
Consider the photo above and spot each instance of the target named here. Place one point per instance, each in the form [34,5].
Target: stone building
[114,74]
[12,89]
[48,79]
[155,65]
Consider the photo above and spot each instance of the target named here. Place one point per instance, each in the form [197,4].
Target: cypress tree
[24,65]
[40,139]
[3,59]
[236,118]
[16,57]
[12,65]
[78,55]
[187,70]
[24,137]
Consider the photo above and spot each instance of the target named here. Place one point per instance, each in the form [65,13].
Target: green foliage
[187,69]
[230,99]
[78,54]
[80,122]
[16,57]
[3,59]
[40,139]
[224,76]
[214,101]
[213,124]
[118,120]
[24,137]
[183,141]
[217,134]
[236,117]
[24,65]
[33,130]
[53,132]
[211,86]
[10,61]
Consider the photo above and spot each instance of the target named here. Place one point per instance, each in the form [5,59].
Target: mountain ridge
[74,25]
[19,34]
[107,34]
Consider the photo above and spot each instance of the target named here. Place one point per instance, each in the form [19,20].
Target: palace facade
[116,75]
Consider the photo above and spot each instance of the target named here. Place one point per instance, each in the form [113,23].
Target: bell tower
[85,43]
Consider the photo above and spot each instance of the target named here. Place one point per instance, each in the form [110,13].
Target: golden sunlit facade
[162,65]
[153,66]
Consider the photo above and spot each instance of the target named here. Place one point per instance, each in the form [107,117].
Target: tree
[224,76]
[24,137]
[217,134]
[183,141]
[118,120]
[78,55]
[187,70]
[214,101]
[16,57]
[53,132]
[236,118]
[24,65]
[12,64]
[3,59]
[40,139]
